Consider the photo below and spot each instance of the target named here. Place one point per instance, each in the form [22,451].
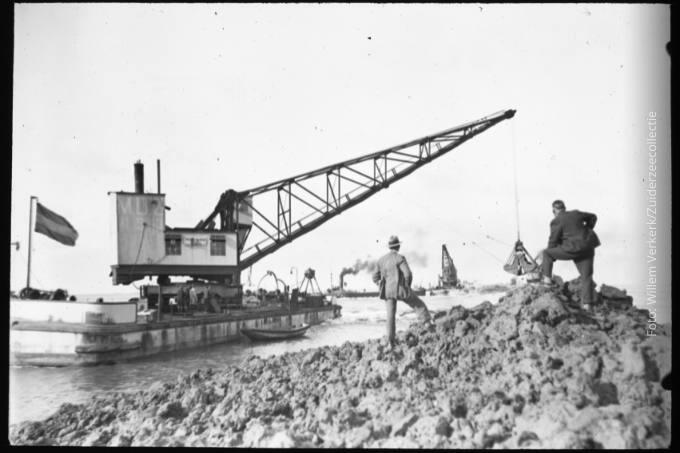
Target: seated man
[572,238]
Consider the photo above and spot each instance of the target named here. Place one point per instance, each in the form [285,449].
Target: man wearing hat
[394,277]
[572,238]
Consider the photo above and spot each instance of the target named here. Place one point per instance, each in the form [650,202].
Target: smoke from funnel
[360,265]
[368,265]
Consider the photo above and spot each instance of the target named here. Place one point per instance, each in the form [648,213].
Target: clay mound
[533,370]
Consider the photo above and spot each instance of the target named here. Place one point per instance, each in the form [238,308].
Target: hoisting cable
[496,240]
[486,251]
[451,227]
[514,173]
[520,261]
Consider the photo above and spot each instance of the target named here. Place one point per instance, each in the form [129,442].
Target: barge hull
[65,344]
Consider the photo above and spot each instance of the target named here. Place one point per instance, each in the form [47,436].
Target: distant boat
[349,294]
[357,294]
[280,333]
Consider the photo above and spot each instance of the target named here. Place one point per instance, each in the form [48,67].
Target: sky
[236,96]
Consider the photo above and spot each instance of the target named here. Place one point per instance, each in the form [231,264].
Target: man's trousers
[414,302]
[583,262]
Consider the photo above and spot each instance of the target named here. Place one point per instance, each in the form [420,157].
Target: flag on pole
[54,226]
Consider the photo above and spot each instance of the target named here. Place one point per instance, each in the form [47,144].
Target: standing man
[572,238]
[394,277]
[193,297]
[182,299]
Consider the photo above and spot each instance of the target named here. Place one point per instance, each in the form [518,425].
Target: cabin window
[173,245]
[218,246]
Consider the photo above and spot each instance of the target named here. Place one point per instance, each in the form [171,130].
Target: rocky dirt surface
[532,371]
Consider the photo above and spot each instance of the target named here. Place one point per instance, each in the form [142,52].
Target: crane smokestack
[139,177]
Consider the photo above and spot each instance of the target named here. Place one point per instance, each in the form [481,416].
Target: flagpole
[30,236]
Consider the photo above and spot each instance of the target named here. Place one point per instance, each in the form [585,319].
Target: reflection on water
[36,392]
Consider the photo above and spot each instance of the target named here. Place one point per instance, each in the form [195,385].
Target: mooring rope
[34,275]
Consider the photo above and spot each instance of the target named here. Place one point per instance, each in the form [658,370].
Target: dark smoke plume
[370,265]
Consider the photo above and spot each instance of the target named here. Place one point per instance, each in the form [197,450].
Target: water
[36,392]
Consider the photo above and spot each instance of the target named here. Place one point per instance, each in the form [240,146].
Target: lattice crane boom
[299,207]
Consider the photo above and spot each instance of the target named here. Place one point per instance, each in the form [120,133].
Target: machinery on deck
[309,293]
[278,296]
[246,226]
[309,284]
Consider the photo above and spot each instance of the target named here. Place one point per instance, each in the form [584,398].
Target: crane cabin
[144,246]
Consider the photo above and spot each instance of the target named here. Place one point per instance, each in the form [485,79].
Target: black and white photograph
[310,225]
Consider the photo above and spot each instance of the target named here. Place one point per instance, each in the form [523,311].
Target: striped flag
[54,226]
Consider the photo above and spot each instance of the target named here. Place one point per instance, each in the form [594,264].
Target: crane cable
[520,261]
[514,170]
[486,251]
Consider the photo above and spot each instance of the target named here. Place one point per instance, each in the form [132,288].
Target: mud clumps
[532,371]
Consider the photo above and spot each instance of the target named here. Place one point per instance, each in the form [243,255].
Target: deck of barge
[168,321]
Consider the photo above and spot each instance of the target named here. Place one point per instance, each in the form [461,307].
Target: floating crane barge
[213,255]
[449,278]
